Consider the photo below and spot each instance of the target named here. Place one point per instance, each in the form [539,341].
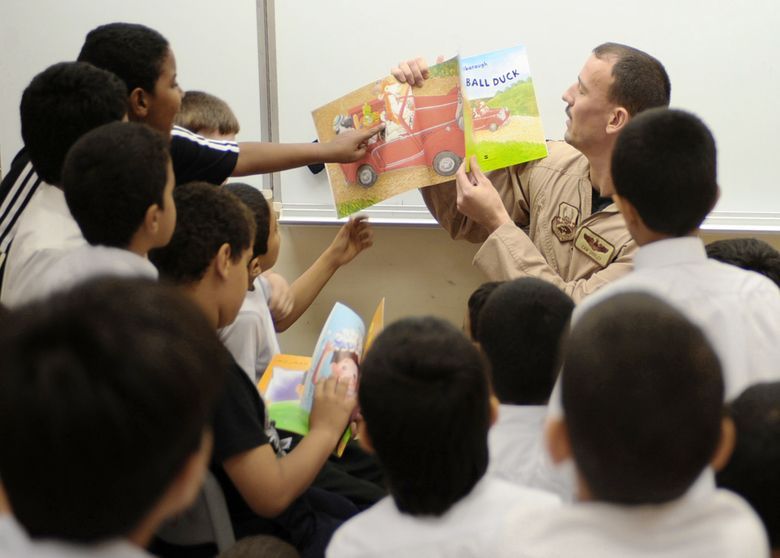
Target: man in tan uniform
[554,218]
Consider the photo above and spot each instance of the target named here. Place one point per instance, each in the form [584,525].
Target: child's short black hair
[476,302]
[664,163]
[642,391]
[748,253]
[261,209]
[60,105]
[134,52]
[753,469]
[104,394]
[425,399]
[520,331]
[111,177]
[203,112]
[206,218]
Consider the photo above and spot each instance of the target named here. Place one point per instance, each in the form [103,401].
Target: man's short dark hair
[476,302]
[425,399]
[60,105]
[261,210]
[520,331]
[664,163]
[104,394]
[132,51]
[748,253]
[203,112]
[642,391]
[112,175]
[640,81]
[206,218]
[753,469]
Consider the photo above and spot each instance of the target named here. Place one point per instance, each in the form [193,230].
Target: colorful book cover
[427,131]
[288,384]
[502,124]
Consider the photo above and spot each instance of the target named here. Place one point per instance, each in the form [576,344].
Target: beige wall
[419,271]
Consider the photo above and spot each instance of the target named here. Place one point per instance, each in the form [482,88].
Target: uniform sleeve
[238,418]
[508,253]
[197,158]
[441,201]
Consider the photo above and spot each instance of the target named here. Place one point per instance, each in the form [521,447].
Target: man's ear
[139,104]
[223,260]
[617,120]
[557,438]
[728,439]
[363,438]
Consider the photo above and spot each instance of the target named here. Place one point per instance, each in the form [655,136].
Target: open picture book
[288,384]
[481,105]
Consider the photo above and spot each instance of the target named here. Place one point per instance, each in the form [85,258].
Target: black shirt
[197,158]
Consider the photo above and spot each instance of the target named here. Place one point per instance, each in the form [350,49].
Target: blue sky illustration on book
[488,74]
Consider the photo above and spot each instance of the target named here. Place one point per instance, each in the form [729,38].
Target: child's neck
[204,298]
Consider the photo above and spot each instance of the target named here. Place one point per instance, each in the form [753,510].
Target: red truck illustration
[490,118]
[423,130]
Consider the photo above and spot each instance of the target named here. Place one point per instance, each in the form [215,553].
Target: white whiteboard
[215,43]
[721,55]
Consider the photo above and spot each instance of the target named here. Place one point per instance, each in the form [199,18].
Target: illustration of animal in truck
[419,131]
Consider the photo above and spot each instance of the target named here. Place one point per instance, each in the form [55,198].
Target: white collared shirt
[718,525]
[738,310]
[518,453]
[468,528]
[13,540]
[46,231]
[87,262]
[251,338]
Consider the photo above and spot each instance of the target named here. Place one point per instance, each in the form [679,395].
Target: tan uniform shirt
[554,236]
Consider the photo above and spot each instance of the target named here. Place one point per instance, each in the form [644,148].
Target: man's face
[588,107]
[165,100]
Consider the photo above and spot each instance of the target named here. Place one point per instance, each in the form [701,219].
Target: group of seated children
[119,393]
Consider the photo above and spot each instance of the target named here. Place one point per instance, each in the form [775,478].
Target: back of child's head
[748,253]
[207,217]
[207,115]
[134,52]
[60,105]
[476,302]
[642,393]
[520,331]
[425,399]
[111,177]
[664,164]
[105,394]
[753,469]
[261,210]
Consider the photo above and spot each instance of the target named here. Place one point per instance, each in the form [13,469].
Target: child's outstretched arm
[352,238]
[269,484]
[261,157]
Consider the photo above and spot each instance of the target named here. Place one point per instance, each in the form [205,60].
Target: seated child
[520,330]
[474,307]
[58,107]
[251,337]
[105,398]
[207,115]
[748,253]
[643,401]
[118,184]
[752,471]
[266,491]
[426,403]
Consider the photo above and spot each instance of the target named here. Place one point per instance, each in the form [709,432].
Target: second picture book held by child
[481,105]
[288,384]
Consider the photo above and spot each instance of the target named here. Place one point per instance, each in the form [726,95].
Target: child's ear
[363,438]
[255,269]
[557,438]
[183,490]
[494,403]
[728,438]
[139,104]
[152,219]
[223,260]
[626,208]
